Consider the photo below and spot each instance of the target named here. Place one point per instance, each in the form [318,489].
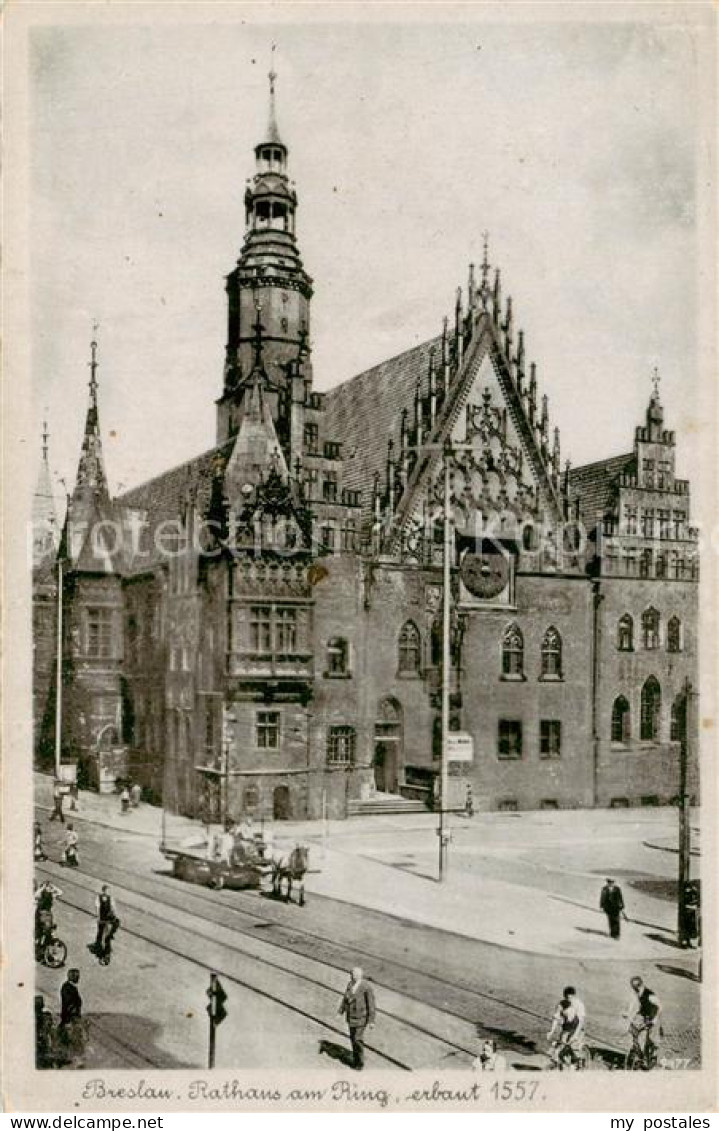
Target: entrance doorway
[388,754]
[281,808]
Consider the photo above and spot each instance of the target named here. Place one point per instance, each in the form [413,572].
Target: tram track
[439,1043]
[392,976]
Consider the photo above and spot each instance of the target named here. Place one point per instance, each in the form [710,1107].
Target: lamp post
[58,675]
[685,845]
[446,667]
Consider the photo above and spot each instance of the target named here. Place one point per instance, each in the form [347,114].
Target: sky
[580,147]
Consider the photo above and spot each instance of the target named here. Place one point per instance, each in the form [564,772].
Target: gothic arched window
[621,720]
[409,648]
[674,635]
[513,652]
[552,654]
[650,629]
[651,710]
[678,719]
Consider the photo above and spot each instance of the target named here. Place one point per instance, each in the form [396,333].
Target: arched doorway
[281,808]
[388,741]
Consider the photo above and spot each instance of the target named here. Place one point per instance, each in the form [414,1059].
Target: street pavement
[488,950]
[529,881]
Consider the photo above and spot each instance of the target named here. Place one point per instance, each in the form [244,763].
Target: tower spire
[45,528]
[91,468]
[273,133]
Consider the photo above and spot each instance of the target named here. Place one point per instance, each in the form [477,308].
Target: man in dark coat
[358,1007]
[70,1032]
[611,901]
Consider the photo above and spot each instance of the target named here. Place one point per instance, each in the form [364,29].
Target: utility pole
[684,822]
[58,675]
[446,667]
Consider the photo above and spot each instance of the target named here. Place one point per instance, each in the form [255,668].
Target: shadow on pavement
[667,941]
[336,1052]
[592,931]
[115,1040]
[678,971]
[506,1037]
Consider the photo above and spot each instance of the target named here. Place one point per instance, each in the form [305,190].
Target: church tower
[269,281]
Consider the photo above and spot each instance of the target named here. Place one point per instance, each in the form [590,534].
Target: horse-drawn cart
[241,863]
[197,869]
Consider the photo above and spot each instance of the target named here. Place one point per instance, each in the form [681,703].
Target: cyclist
[644,1011]
[568,1029]
[45,896]
[107,922]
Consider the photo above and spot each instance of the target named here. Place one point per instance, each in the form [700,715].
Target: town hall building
[259,630]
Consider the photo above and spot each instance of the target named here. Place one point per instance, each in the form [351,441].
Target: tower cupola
[269,272]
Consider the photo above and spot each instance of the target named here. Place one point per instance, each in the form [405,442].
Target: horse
[291,867]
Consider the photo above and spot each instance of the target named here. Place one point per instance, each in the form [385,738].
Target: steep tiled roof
[164,497]
[594,484]
[365,411]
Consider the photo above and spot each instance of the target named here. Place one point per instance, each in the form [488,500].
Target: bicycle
[642,1057]
[50,950]
[565,1057]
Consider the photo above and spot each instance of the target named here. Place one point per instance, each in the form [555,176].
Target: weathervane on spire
[484,289]
[93,362]
[655,381]
[273,74]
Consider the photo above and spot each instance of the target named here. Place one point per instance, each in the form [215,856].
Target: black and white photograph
[359,551]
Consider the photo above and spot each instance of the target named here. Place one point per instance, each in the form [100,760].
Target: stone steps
[384,803]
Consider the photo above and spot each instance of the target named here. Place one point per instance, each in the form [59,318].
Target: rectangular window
[312,437]
[631,520]
[311,480]
[648,468]
[261,628]
[679,520]
[664,474]
[338,656]
[328,537]
[285,631]
[267,730]
[509,738]
[329,487]
[648,523]
[341,745]
[99,639]
[550,738]
[349,537]
[665,524]
[630,562]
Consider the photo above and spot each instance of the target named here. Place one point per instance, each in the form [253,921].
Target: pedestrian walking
[108,922]
[57,795]
[358,1007]
[136,794]
[44,1035]
[38,846]
[70,848]
[125,800]
[70,1031]
[611,902]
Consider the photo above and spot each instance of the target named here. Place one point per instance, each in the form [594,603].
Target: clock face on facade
[484,575]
